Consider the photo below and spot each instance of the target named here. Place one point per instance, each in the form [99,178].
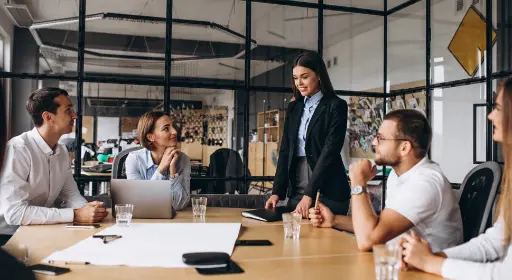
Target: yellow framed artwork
[469,44]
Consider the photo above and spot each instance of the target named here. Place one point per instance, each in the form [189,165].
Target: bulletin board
[365,116]
[128,124]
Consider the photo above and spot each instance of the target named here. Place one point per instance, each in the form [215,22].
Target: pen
[107,240]
[104,236]
[68,262]
[317,198]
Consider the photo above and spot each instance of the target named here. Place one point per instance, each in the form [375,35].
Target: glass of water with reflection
[291,224]
[199,207]
[387,261]
[124,214]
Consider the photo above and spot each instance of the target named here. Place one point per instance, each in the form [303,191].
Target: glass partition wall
[223,72]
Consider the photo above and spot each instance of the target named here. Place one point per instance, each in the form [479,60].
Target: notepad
[152,244]
[265,215]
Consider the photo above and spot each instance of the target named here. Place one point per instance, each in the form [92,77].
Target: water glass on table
[291,223]
[387,261]
[199,207]
[124,214]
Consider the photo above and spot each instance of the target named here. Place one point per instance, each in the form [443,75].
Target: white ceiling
[275,25]
[222,68]
[271,24]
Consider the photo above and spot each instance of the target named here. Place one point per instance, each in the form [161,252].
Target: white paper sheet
[152,245]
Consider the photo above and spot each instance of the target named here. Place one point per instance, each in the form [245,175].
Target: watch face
[357,190]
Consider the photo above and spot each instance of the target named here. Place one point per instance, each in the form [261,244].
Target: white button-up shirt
[32,179]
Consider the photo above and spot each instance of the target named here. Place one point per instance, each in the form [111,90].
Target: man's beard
[388,161]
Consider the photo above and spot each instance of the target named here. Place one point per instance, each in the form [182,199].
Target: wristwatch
[357,190]
[175,175]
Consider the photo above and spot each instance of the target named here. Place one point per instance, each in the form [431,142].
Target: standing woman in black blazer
[310,152]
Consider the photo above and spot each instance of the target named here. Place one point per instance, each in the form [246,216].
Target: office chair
[477,197]
[226,163]
[118,171]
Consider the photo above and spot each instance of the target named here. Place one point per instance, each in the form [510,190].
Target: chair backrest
[118,166]
[225,163]
[246,201]
[477,196]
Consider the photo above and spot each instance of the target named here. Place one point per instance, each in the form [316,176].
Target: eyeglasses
[379,138]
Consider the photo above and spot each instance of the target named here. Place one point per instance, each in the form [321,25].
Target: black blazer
[324,140]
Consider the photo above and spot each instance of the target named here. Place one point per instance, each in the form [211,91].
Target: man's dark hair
[43,100]
[414,127]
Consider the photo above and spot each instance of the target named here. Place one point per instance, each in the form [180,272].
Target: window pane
[373,5]
[118,44]
[57,38]
[354,51]
[2,54]
[267,113]
[211,44]
[407,47]
[452,125]
[282,33]
[364,119]
[458,40]
[393,3]
[502,23]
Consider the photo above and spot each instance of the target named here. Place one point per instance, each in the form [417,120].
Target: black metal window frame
[167,81]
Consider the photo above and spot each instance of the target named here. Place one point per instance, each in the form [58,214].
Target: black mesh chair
[477,196]
[226,163]
[118,170]
[235,200]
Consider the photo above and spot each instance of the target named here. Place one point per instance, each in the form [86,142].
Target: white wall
[360,67]
[108,128]
[7,32]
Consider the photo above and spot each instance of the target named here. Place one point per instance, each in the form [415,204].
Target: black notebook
[265,215]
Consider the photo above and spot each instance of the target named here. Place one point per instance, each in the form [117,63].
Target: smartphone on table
[49,269]
[83,225]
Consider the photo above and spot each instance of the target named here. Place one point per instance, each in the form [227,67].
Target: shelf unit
[270,126]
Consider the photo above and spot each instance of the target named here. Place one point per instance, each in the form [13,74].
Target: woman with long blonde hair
[488,256]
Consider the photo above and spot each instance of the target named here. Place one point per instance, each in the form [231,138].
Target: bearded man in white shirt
[37,170]
[419,196]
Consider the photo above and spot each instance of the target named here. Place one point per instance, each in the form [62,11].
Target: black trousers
[4,238]
[300,176]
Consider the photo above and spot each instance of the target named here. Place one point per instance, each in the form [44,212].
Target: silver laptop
[151,199]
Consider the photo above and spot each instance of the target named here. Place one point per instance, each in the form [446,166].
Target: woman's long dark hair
[313,61]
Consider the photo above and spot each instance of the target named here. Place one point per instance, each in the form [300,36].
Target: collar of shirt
[149,160]
[408,175]
[313,100]
[43,146]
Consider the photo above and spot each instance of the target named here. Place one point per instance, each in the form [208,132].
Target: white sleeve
[486,247]
[132,168]
[14,192]
[419,201]
[70,194]
[466,270]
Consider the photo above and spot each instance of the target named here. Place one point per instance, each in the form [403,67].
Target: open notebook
[265,214]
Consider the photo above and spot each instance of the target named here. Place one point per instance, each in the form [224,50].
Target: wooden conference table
[318,254]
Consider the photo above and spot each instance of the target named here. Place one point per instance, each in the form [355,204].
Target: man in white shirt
[419,196]
[37,170]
